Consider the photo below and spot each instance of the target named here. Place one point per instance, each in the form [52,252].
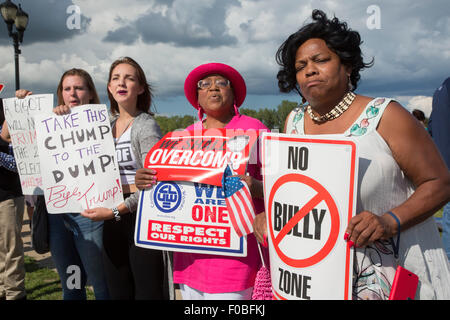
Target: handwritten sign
[201,155]
[186,217]
[19,115]
[79,169]
[310,196]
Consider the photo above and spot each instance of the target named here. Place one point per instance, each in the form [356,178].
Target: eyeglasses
[207,83]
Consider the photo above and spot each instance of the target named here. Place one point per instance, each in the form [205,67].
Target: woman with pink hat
[217,90]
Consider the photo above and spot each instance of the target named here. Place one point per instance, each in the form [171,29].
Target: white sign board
[19,115]
[78,164]
[310,194]
[186,217]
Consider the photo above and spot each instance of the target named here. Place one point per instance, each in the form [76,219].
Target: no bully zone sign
[310,194]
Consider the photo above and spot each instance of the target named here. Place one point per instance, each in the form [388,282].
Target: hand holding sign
[366,228]
[98,214]
[145,178]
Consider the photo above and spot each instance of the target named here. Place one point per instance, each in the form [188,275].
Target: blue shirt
[7,159]
[439,123]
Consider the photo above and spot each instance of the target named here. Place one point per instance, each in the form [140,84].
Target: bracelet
[396,219]
[116,213]
[396,246]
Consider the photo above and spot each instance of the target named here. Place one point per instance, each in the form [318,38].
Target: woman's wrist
[393,222]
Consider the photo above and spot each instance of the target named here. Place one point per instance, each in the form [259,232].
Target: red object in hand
[404,286]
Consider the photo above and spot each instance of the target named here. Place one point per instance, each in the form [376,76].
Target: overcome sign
[186,217]
[187,211]
[201,155]
[310,194]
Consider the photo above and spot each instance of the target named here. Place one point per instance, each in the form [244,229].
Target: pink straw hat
[202,71]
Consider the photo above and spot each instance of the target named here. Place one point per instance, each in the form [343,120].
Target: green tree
[169,124]
[283,111]
[272,118]
[249,112]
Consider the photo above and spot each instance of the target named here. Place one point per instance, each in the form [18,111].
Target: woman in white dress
[403,180]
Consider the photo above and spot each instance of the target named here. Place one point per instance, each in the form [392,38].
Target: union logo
[167,197]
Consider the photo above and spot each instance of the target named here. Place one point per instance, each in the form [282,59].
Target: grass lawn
[43,283]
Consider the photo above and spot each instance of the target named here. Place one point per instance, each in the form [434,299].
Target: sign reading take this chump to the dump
[78,164]
[310,196]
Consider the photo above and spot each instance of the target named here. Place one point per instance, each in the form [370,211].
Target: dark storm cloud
[47,22]
[185,27]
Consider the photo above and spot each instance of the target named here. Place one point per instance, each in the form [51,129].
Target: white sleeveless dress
[381,187]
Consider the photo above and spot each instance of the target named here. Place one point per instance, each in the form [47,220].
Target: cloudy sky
[408,39]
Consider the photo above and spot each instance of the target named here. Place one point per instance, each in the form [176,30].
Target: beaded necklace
[339,109]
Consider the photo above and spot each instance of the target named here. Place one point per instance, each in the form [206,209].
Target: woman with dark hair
[75,240]
[402,179]
[341,40]
[132,272]
[419,115]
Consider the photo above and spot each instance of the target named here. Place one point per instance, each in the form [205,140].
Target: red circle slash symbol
[322,195]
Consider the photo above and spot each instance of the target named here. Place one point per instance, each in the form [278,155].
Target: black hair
[419,114]
[339,38]
[2,115]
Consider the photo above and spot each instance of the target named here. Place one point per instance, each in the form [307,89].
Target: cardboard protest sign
[201,155]
[310,196]
[79,169]
[186,217]
[19,115]
[187,210]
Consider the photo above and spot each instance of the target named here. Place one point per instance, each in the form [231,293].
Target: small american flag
[239,203]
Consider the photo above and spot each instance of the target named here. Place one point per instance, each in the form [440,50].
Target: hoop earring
[200,113]
[236,111]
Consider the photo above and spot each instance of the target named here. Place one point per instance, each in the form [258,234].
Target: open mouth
[122,92]
[215,96]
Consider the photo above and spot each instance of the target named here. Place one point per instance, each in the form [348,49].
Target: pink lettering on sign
[60,195]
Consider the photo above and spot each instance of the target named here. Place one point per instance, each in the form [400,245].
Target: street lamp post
[13,15]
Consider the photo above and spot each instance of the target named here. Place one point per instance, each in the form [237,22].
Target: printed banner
[310,196]
[186,217]
[79,169]
[19,115]
[201,155]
